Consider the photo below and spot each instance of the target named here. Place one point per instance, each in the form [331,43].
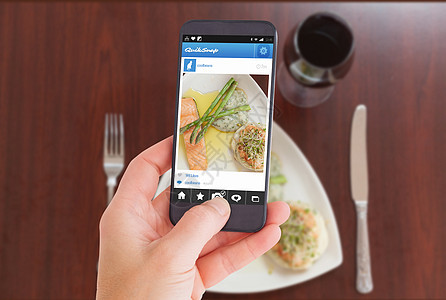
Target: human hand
[142,255]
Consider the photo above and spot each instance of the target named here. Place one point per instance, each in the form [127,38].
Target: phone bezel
[239,218]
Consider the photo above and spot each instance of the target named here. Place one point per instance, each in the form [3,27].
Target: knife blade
[360,195]
[358,155]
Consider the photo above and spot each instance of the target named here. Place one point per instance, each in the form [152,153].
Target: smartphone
[224,111]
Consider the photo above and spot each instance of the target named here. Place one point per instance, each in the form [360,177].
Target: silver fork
[113,151]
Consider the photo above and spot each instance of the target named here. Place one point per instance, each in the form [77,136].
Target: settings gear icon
[263,50]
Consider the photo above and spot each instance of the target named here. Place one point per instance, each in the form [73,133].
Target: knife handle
[364,283]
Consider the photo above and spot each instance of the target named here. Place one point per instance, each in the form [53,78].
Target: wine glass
[318,52]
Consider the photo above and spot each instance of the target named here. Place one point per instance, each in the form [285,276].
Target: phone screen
[223,119]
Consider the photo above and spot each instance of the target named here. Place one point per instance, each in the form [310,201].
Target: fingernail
[220,204]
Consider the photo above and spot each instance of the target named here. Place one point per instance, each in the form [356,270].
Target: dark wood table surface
[64,65]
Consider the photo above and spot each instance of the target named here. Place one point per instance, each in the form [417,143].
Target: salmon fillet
[196,153]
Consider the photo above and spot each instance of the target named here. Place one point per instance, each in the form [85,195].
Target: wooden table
[64,65]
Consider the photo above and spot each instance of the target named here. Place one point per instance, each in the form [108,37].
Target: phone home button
[181,195]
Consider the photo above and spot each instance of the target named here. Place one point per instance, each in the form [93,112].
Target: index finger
[143,172]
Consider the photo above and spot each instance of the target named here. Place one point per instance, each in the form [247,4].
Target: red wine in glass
[318,53]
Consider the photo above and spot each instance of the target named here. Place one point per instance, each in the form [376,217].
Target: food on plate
[228,116]
[226,91]
[276,166]
[275,192]
[276,179]
[221,114]
[234,121]
[248,145]
[304,238]
[218,110]
[196,153]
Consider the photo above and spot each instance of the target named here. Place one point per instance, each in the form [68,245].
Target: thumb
[197,226]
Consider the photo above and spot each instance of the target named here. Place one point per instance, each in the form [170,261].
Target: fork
[113,151]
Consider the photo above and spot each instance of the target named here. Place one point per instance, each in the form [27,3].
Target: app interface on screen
[223,118]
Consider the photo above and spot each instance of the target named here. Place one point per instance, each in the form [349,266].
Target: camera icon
[220,194]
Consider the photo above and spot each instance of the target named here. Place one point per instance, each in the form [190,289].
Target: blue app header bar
[227,50]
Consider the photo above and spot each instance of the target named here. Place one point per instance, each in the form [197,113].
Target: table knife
[360,194]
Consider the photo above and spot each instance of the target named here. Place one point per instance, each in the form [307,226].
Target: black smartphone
[224,111]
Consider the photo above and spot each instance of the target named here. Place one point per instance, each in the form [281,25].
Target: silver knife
[360,193]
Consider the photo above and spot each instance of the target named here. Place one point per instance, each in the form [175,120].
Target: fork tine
[117,135]
[110,135]
[106,136]
[113,134]
[121,138]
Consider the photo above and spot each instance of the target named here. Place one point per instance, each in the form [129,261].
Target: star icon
[200,196]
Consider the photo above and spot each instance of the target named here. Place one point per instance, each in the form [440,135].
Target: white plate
[206,83]
[304,185]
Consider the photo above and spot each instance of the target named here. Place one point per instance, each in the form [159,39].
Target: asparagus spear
[232,111]
[219,109]
[279,179]
[210,108]
[222,114]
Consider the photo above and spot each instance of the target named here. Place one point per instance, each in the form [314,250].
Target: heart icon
[179,181]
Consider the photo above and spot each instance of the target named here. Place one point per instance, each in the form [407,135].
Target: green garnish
[280,179]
